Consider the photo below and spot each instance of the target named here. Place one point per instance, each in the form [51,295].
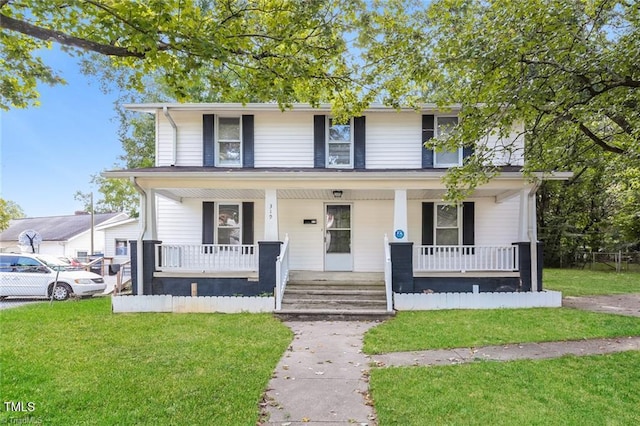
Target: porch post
[270,215]
[523,224]
[400,228]
[150,219]
[533,238]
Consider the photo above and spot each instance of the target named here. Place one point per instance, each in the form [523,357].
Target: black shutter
[359,142]
[428,131]
[247,223]
[208,221]
[467,151]
[319,139]
[247,141]
[468,223]
[427,224]
[208,142]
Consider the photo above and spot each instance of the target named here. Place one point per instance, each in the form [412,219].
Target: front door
[337,239]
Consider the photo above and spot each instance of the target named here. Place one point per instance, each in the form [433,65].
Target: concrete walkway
[542,350]
[323,378]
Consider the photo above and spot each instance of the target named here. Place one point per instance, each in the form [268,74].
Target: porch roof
[368,184]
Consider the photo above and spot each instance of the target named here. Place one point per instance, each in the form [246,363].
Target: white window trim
[351,147]
[435,222]
[216,129]
[436,164]
[126,246]
[217,226]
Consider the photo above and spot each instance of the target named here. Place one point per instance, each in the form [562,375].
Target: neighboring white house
[117,237]
[233,185]
[69,235]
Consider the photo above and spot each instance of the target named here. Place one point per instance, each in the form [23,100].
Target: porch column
[533,238]
[271,215]
[400,232]
[523,224]
[150,229]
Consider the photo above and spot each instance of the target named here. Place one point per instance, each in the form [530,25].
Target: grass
[564,391]
[81,364]
[591,390]
[575,282]
[418,330]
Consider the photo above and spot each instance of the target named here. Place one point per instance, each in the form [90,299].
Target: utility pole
[92,223]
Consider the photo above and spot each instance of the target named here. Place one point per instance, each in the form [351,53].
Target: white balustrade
[465,258]
[206,257]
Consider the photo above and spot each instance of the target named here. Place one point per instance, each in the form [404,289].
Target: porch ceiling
[324,194]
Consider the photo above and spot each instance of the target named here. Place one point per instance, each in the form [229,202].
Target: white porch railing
[282,272]
[206,257]
[387,274]
[465,258]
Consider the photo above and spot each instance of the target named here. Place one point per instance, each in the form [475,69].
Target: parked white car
[23,274]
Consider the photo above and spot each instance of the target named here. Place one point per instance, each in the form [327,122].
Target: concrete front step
[334,295]
[334,314]
[334,304]
[291,291]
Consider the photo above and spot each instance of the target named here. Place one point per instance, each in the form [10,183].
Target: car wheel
[62,291]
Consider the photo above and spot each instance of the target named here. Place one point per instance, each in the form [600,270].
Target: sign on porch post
[400,216]
[270,215]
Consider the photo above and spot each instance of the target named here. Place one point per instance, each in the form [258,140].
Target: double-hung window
[229,142]
[447,225]
[444,125]
[229,224]
[339,145]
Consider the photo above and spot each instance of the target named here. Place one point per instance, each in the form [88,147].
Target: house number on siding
[270,211]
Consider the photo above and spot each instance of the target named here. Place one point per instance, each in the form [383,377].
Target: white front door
[337,239]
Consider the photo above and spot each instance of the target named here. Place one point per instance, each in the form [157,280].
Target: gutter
[143,226]
[174,147]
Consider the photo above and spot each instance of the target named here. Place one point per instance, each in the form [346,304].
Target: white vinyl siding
[394,140]
[283,139]
[497,223]
[129,231]
[306,248]
[181,223]
[189,147]
[372,219]
[508,151]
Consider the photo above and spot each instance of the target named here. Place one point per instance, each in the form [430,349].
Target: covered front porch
[321,221]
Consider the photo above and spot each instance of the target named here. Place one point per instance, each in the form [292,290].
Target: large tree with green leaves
[568,69]
[270,50]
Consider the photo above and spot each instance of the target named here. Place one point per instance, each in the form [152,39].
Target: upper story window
[339,145]
[447,225]
[444,125]
[229,142]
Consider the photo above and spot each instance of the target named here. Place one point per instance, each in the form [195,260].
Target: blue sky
[51,151]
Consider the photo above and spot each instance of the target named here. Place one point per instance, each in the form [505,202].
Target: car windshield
[54,263]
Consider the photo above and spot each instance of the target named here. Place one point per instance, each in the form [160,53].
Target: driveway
[621,304]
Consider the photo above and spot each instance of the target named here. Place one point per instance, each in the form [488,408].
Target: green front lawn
[592,390]
[576,282]
[78,363]
[418,330]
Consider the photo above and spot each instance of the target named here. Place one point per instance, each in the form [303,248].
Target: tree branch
[598,141]
[46,34]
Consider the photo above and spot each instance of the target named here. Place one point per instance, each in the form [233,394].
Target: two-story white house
[242,194]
